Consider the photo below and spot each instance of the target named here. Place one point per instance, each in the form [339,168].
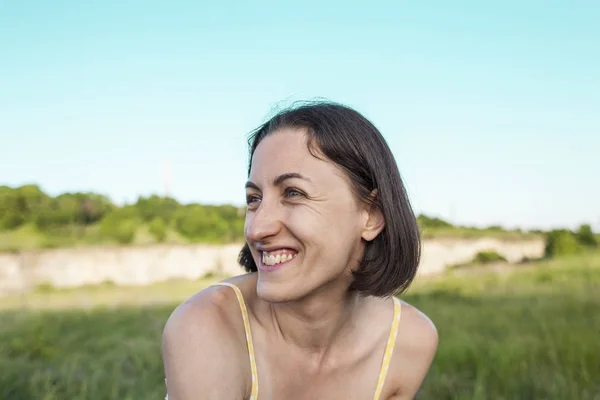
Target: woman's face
[303,224]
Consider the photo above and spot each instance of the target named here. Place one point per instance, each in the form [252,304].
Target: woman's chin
[275,292]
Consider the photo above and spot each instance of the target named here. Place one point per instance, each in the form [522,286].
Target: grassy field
[532,332]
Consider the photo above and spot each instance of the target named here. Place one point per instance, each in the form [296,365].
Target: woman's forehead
[285,140]
[287,152]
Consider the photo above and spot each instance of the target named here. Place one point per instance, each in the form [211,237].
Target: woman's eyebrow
[251,185]
[289,175]
[279,180]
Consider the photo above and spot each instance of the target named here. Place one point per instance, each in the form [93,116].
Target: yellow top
[387,356]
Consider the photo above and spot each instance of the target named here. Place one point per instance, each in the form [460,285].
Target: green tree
[72,209]
[585,236]
[19,205]
[156,207]
[561,242]
[201,223]
[92,207]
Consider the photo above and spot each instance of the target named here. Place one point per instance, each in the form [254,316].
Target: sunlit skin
[313,338]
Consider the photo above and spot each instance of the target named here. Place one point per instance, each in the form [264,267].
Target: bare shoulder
[415,348]
[417,334]
[203,347]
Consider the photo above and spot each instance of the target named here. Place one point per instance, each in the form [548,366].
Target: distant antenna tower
[167,177]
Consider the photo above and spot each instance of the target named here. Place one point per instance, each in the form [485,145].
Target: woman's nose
[263,222]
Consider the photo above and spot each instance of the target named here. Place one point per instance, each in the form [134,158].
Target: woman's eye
[291,192]
[251,199]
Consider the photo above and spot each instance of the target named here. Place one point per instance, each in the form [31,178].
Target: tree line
[94,218]
[74,214]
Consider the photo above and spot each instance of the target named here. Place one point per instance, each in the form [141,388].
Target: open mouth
[271,260]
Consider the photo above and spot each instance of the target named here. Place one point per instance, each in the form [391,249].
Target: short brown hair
[345,137]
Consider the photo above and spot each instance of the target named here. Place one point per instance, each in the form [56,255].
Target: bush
[120,225]
[561,242]
[585,236]
[11,220]
[158,229]
[432,222]
[484,257]
[125,231]
[47,219]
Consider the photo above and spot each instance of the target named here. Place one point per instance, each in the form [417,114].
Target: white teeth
[272,259]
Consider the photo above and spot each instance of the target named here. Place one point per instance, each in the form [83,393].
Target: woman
[330,238]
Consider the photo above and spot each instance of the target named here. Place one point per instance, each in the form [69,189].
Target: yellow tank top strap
[253,370]
[389,349]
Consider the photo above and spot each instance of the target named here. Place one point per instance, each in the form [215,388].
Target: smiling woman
[330,240]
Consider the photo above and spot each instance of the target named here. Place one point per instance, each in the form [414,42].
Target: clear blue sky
[492,108]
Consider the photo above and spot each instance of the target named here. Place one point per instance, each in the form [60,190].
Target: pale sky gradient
[492,108]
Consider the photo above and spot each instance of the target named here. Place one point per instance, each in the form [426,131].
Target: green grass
[528,333]
[532,333]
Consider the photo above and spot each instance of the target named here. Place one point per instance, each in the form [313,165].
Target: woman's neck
[316,323]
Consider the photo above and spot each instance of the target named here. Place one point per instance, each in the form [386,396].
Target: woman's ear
[374,220]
